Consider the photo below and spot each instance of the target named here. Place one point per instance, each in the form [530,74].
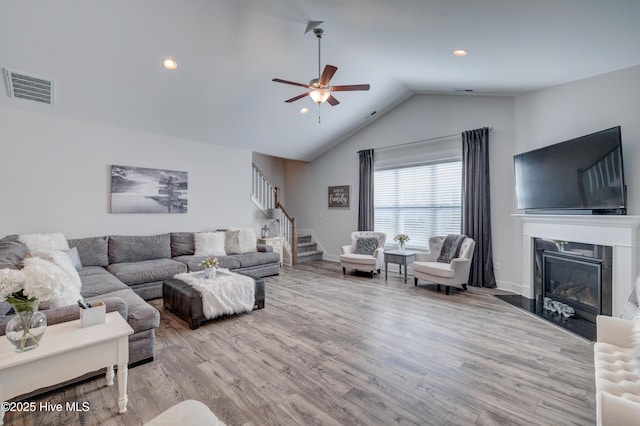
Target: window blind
[419,200]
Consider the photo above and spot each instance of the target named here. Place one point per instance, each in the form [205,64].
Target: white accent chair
[455,274]
[363,262]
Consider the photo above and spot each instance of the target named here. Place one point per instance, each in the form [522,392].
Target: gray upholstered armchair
[366,252]
[454,274]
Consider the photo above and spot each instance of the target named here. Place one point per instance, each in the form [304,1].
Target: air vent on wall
[29,87]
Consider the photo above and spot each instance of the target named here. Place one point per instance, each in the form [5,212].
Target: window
[421,201]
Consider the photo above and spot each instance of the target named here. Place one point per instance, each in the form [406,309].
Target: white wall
[55,176]
[579,108]
[421,117]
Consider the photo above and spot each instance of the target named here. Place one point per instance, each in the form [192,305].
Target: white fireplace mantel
[619,232]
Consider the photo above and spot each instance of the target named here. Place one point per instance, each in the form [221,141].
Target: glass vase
[401,245]
[25,330]
[209,273]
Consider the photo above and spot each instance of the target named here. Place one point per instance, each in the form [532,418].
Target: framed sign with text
[339,196]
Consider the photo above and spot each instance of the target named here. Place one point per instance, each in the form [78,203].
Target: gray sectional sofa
[125,271]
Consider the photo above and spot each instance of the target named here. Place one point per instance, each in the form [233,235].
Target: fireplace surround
[618,232]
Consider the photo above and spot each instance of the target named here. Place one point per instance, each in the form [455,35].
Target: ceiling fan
[319,88]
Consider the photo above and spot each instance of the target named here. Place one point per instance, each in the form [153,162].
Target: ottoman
[186,302]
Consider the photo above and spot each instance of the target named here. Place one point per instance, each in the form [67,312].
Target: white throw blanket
[226,294]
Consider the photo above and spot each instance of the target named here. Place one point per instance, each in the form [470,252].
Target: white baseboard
[509,286]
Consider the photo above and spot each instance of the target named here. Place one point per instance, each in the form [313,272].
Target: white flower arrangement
[37,281]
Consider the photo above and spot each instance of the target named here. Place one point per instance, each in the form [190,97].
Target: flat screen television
[579,176]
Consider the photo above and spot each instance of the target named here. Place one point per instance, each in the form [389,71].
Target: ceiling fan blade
[277,80]
[297,97]
[328,72]
[332,101]
[350,88]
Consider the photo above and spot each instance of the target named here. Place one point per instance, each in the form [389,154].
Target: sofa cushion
[193,262]
[135,248]
[248,260]
[142,316]
[132,273]
[182,244]
[97,281]
[616,371]
[93,251]
[360,259]
[12,254]
[437,269]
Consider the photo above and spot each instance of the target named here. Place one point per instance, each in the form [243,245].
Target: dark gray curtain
[476,204]
[365,193]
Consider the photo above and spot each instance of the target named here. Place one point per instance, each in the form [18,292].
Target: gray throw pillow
[12,254]
[366,245]
[182,244]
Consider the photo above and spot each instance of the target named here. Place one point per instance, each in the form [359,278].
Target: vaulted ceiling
[105,58]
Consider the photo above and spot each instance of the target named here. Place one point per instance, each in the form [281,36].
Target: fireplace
[612,239]
[576,275]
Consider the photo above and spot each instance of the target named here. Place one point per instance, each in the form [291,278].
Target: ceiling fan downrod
[319,32]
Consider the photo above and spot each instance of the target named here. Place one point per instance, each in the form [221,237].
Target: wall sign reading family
[339,196]
[142,190]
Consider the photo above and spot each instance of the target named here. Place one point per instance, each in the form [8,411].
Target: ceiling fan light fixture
[319,95]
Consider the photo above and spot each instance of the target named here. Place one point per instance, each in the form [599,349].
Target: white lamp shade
[275,214]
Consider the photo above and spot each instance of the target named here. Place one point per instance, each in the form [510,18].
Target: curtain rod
[418,142]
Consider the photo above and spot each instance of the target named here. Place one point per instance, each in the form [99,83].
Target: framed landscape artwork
[339,196]
[142,190]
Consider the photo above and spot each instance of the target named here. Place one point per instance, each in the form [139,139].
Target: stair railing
[267,196]
[262,192]
[288,228]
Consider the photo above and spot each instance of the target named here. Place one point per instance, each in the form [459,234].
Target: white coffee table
[67,351]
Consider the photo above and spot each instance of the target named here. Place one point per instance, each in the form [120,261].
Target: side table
[400,257]
[276,242]
[68,351]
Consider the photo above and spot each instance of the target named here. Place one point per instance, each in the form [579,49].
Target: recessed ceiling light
[170,64]
[460,52]
[304,110]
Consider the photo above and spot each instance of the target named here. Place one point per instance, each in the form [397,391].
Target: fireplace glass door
[573,280]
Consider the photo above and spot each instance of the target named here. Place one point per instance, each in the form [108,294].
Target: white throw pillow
[44,243]
[61,259]
[247,240]
[46,280]
[209,244]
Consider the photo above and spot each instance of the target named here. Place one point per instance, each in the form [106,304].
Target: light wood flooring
[329,350]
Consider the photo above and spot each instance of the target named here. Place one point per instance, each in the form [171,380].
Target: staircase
[307,249]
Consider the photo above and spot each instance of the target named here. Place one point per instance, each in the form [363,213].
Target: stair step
[304,239]
[308,256]
[305,247]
